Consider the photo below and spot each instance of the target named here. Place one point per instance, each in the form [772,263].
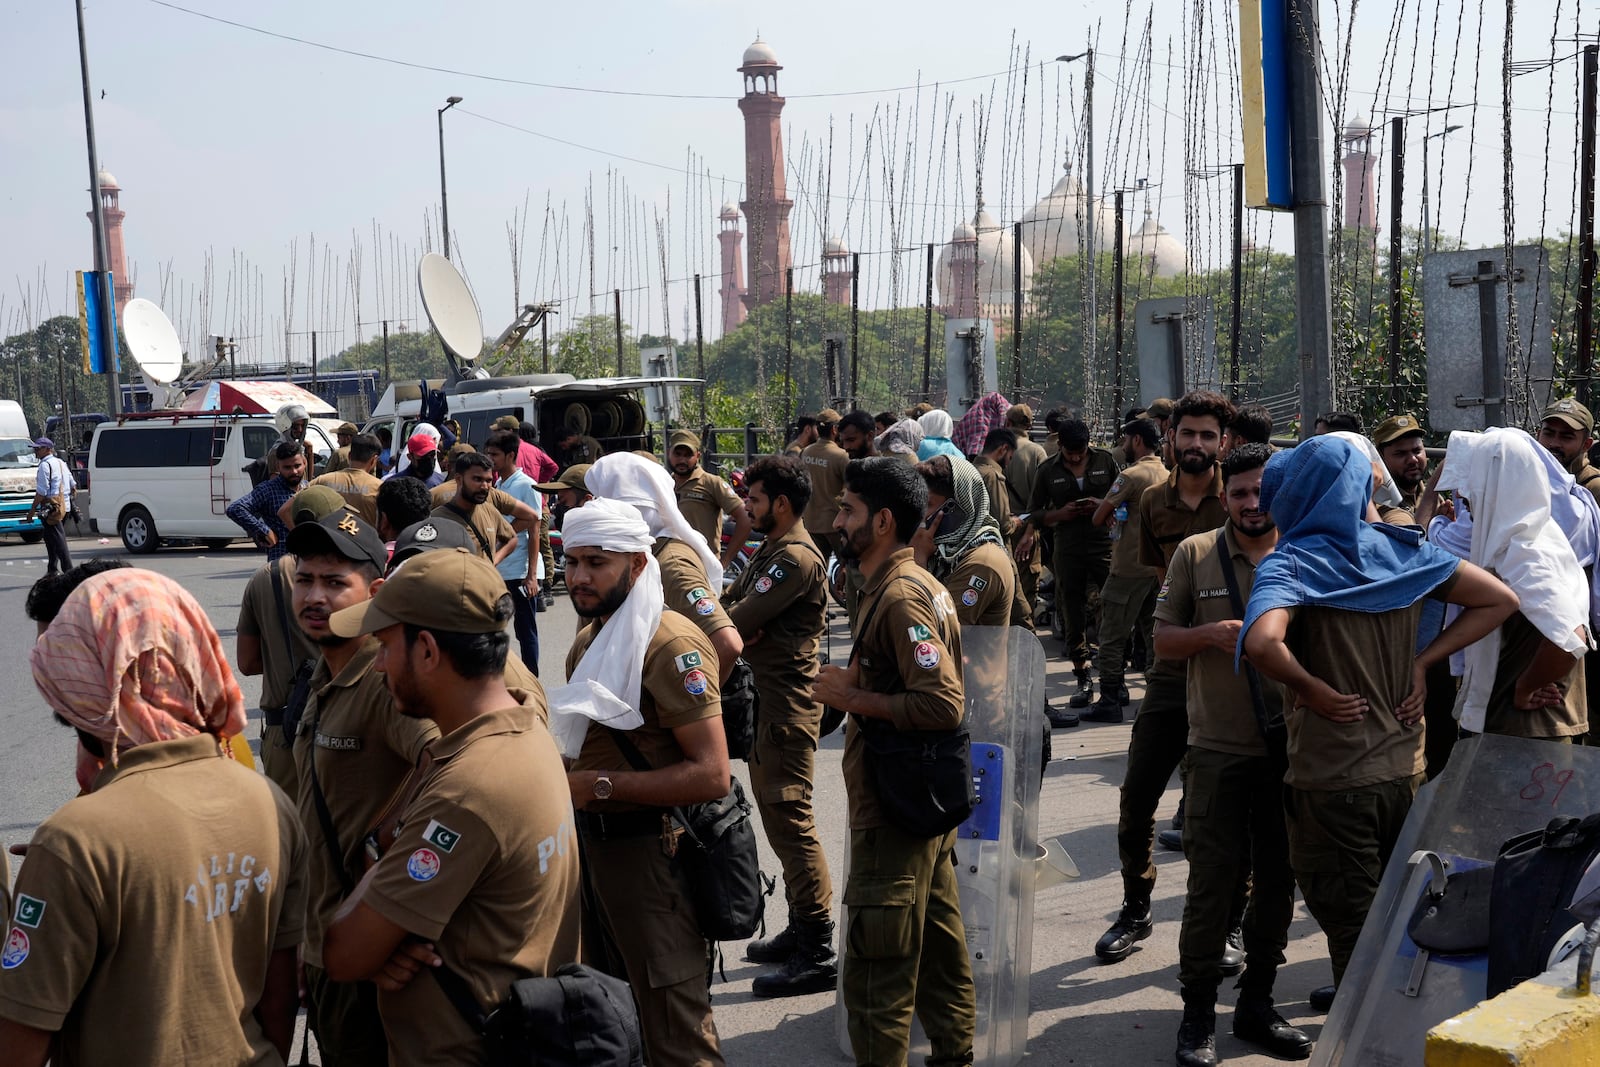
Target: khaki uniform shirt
[259,618]
[1586,473]
[704,498]
[359,489]
[687,589]
[679,687]
[1221,714]
[1056,485]
[983,585]
[909,647]
[587,450]
[148,909]
[1366,654]
[339,460]
[825,462]
[364,749]
[782,596]
[1023,472]
[1129,489]
[486,868]
[1165,521]
[486,521]
[994,483]
[1519,643]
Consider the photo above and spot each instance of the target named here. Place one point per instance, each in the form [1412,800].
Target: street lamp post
[1088,131]
[444,202]
[1427,224]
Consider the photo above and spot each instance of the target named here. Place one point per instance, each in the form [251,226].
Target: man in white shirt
[52,501]
[521,570]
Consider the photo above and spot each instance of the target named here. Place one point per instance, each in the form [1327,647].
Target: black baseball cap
[427,535]
[341,533]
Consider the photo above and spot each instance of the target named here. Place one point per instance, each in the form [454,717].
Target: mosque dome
[1058,225]
[1151,248]
[730,210]
[996,263]
[835,246]
[108,180]
[760,53]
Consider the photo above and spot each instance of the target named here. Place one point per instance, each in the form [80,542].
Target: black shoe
[1061,719]
[1259,1023]
[811,968]
[1084,686]
[1177,816]
[1322,998]
[1232,953]
[1123,697]
[1104,710]
[1197,1037]
[1132,926]
[539,603]
[1082,698]
[1171,840]
[775,949]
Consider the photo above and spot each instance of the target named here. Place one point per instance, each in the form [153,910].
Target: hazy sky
[238,143]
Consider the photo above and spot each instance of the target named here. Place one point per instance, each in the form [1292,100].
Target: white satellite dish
[450,306]
[152,342]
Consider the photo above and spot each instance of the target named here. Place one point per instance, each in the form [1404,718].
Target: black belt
[273,716]
[610,826]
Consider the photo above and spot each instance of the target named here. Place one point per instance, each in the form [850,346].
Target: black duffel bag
[1535,877]
[577,1017]
[923,778]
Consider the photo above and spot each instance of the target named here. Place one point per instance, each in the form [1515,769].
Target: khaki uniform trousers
[546,552]
[1159,741]
[1078,576]
[1233,826]
[638,924]
[344,1016]
[905,951]
[782,770]
[1125,603]
[1339,843]
[1028,571]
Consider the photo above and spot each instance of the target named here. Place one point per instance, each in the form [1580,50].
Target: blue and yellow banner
[91,306]
[1264,76]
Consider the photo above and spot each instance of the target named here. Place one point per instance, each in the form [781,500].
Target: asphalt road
[1081,1012]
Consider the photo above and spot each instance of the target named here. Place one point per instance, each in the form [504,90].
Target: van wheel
[217,543]
[138,531]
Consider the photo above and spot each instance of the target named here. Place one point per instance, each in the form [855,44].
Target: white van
[170,476]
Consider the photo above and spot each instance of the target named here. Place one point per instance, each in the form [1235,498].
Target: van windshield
[16,452]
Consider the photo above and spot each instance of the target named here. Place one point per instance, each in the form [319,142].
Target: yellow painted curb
[1532,1025]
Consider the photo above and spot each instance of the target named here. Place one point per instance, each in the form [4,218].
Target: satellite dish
[450,306]
[152,342]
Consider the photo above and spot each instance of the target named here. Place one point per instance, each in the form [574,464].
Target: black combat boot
[1132,926]
[775,949]
[1255,1020]
[1197,1036]
[811,968]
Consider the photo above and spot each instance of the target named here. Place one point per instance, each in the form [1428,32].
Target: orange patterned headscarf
[132,659]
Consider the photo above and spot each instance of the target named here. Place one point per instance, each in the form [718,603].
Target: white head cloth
[647,486]
[1514,535]
[1385,492]
[937,423]
[604,686]
[402,455]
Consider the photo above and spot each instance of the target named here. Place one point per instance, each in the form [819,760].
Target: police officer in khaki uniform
[494,515]
[356,481]
[352,752]
[345,433]
[636,921]
[778,603]
[1128,598]
[578,447]
[905,950]
[704,498]
[1234,824]
[998,448]
[1022,473]
[479,868]
[824,462]
[1567,430]
[1400,444]
[1068,490]
[958,543]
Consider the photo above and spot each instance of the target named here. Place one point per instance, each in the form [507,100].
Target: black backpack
[577,1017]
[1535,877]
[741,707]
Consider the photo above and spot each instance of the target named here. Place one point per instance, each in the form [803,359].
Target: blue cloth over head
[1328,555]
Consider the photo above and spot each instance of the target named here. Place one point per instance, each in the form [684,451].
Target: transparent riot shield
[1394,992]
[997,850]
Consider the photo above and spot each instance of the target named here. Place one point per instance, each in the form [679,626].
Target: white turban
[605,684]
[647,486]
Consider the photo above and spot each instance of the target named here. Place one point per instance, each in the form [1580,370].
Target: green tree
[34,364]
[412,355]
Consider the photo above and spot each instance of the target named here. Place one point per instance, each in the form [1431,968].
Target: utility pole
[855,324]
[1238,281]
[700,348]
[616,298]
[386,374]
[1586,254]
[1116,311]
[544,339]
[1313,299]
[788,346]
[102,255]
[444,201]
[1397,192]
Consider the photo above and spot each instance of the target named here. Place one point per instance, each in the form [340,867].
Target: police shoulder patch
[969,597]
[777,572]
[30,911]
[695,683]
[697,594]
[16,949]
[927,655]
[440,836]
[978,582]
[919,633]
[763,583]
[686,662]
[423,865]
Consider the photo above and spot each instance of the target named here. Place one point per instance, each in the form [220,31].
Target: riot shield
[1394,992]
[997,849]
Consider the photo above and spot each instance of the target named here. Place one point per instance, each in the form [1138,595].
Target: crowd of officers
[391,705]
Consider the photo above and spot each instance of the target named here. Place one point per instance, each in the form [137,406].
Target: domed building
[1152,250]
[977,270]
[1058,225]
[836,271]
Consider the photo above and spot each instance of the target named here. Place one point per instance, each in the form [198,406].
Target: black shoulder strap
[330,834]
[460,996]
[1257,702]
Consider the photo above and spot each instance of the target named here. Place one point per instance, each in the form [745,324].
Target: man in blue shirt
[521,571]
[257,510]
[52,500]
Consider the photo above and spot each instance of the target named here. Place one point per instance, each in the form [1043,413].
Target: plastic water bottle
[1121,515]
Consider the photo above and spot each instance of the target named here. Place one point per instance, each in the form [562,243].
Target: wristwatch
[602,788]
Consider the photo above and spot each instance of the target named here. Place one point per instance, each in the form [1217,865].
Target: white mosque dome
[730,210]
[996,263]
[835,246]
[760,53]
[1151,247]
[1058,225]
[108,180]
